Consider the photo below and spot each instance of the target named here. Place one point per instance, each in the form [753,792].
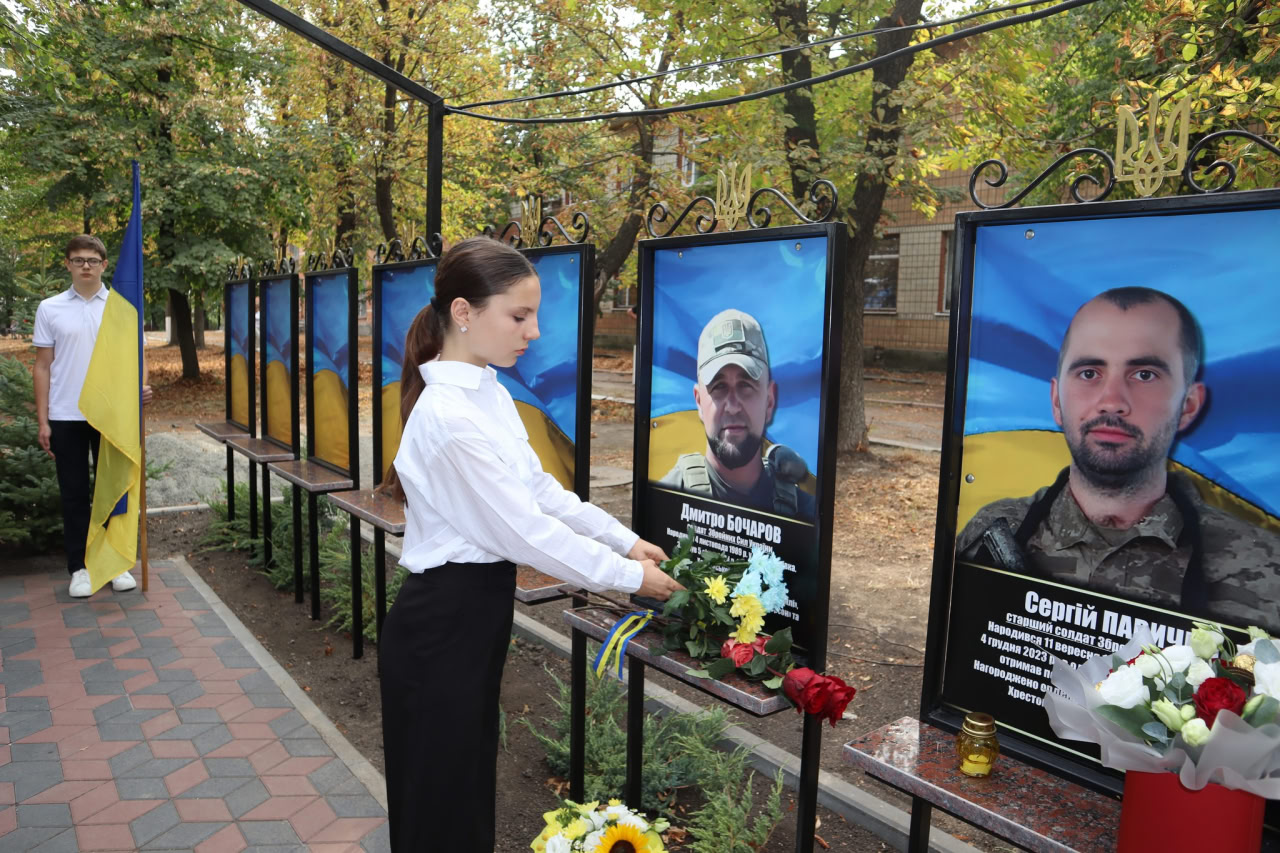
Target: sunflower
[621,838]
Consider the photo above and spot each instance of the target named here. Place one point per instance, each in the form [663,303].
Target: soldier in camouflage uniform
[1116,520]
[736,397]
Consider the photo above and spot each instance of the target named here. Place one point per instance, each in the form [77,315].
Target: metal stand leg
[807,788]
[921,812]
[578,712]
[231,484]
[379,578]
[266,518]
[357,592]
[253,499]
[635,733]
[297,544]
[314,544]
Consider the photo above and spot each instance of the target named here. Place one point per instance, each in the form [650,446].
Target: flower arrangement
[722,611]
[592,828]
[1207,710]
[721,622]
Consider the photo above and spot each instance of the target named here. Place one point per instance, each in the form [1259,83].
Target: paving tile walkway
[140,722]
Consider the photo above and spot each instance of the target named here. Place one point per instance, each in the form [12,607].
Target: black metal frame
[422,253]
[337,264]
[586,253]
[234,279]
[829,408]
[933,708]
[249,282]
[272,273]
[295,402]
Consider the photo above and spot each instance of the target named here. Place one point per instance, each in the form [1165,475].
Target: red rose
[741,653]
[1218,694]
[759,644]
[794,682]
[838,697]
[821,695]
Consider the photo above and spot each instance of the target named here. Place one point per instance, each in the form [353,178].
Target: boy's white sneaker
[123,582]
[81,586]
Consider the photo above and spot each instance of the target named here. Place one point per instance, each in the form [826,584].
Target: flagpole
[142,477]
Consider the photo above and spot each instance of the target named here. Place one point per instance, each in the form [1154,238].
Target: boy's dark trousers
[72,443]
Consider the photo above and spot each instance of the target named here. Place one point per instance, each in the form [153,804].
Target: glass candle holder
[976,745]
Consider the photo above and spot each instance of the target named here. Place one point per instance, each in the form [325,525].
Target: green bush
[335,555]
[30,507]
[680,752]
[667,767]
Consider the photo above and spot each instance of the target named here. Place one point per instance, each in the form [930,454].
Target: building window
[880,279]
[946,265]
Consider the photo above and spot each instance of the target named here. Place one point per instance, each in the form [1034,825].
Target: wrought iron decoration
[1145,161]
[735,203]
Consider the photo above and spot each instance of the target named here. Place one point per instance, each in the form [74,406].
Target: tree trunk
[383,179]
[609,262]
[166,235]
[801,138]
[863,212]
[183,332]
[202,320]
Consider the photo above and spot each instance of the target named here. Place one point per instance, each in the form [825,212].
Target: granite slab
[533,587]
[311,476]
[1022,804]
[378,509]
[221,430]
[259,449]
[751,696]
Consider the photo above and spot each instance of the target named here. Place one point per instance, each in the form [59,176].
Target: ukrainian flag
[111,401]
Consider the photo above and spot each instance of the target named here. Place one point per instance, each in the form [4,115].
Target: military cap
[731,337]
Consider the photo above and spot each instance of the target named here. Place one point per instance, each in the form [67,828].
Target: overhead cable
[924,25]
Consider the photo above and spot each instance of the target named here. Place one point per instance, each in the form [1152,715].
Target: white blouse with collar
[477,493]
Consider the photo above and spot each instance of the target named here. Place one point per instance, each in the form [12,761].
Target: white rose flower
[1195,732]
[559,844]
[1124,688]
[1179,658]
[591,843]
[1149,666]
[1205,641]
[1266,679]
[1198,672]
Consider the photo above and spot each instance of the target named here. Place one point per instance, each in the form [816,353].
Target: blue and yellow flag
[111,402]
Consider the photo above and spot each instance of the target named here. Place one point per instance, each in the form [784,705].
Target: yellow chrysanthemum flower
[746,605]
[615,802]
[717,589]
[576,829]
[621,838]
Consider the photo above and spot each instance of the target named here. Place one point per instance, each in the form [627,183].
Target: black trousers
[443,647]
[73,443]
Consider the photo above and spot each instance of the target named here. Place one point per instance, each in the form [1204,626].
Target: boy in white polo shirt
[66,328]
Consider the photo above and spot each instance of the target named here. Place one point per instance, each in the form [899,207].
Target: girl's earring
[462,329]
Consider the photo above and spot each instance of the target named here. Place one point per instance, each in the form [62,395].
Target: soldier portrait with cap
[736,398]
[1117,520]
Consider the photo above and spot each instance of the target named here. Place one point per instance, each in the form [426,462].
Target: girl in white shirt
[477,502]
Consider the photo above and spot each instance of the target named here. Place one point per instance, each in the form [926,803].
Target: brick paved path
[139,722]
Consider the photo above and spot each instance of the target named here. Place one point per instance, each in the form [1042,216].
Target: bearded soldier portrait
[736,398]
[1117,520]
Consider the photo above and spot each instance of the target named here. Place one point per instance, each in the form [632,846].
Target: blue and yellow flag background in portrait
[1025,290]
[780,282]
[402,293]
[237,336]
[544,381]
[111,401]
[330,366]
[278,326]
